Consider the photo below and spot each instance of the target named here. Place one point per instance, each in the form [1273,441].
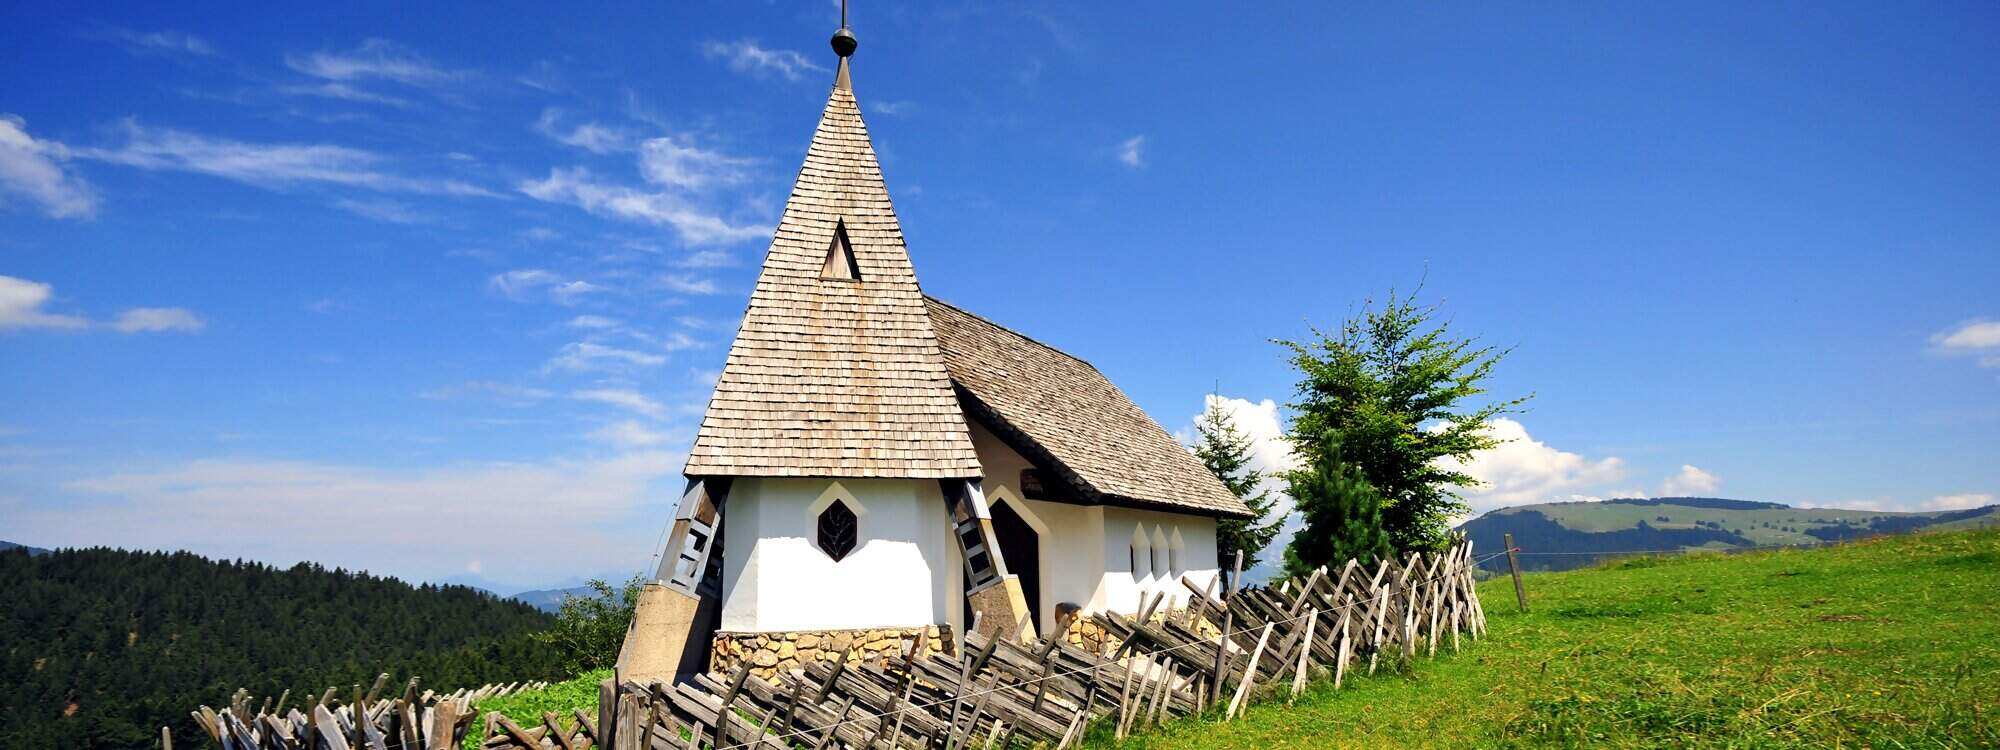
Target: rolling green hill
[1885,643]
[1560,536]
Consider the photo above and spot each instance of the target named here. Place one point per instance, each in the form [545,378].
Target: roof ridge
[1023,336]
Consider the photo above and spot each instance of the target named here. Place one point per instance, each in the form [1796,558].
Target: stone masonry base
[772,653]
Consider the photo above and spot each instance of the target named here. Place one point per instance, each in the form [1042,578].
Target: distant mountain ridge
[1560,536]
[32,551]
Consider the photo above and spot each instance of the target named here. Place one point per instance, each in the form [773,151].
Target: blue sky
[438,291]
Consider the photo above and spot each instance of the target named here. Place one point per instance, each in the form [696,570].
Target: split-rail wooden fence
[1220,653]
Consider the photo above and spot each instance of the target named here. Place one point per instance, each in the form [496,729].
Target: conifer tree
[1346,515]
[1225,450]
[1388,389]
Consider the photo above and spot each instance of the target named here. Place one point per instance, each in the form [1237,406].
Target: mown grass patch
[1886,643]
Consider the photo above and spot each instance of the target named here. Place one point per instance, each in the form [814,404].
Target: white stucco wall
[775,578]
[1085,548]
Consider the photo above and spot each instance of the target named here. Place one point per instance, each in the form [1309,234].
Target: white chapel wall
[776,579]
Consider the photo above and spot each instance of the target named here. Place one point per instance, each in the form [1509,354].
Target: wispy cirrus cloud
[688,284]
[1132,152]
[747,56]
[589,136]
[158,319]
[629,400]
[506,394]
[267,165]
[343,92]
[375,59]
[525,283]
[677,162]
[33,169]
[390,212]
[590,356]
[157,42]
[579,187]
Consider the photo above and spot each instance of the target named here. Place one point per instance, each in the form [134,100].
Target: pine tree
[1225,450]
[1347,514]
[1387,388]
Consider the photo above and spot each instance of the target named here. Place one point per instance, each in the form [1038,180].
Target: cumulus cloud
[589,136]
[1690,481]
[607,510]
[377,59]
[268,165]
[21,306]
[577,186]
[155,319]
[746,56]
[1132,152]
[1523,470]
[628,400]
[1962,501]
[32,170]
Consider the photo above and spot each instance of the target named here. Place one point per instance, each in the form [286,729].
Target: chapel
[878,467]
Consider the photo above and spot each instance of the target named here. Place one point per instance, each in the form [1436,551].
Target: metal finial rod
[843,14]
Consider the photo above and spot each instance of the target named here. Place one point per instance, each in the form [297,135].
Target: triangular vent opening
[840,257]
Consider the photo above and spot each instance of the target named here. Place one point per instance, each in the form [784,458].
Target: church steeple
[836,370]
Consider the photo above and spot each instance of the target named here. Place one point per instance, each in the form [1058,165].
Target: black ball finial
[844,42]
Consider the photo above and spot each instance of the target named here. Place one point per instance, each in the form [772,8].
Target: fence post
[1514,567]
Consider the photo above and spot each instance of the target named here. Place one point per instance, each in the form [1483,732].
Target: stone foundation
[772,653]
[1084,633]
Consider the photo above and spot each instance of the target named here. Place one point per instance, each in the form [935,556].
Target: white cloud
[632,401]
[676,162]
[1973,337]
[343,92]
[21,304]
[589,136]
[1523,470]
[707,259]
[746,56]
[375,59]
[596,512]
[1690,481]
[153,319]
[522,283]
[1132,152]
[1961,501]
[894,109]
[629,434]
[597,322]
[687,284]
[160,41]
[588,356]
[384,211]
[506,394]
[265,164]
[577,187]
[31,169]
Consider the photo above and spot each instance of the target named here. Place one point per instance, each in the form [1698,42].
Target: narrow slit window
[840,257]
[838,530]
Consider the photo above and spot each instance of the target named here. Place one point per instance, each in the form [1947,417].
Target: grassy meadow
[1888,643]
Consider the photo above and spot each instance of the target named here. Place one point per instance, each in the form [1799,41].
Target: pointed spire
[843,45]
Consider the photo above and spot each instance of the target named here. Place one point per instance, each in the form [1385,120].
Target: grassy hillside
[1893,642]
[1690,523]
[99,647]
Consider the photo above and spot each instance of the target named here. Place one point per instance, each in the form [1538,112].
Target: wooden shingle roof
[1062,414]
[832,377]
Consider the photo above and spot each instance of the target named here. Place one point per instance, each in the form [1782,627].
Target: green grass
[1889,643]
[526,707]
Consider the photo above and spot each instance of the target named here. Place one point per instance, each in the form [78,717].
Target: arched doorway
[1021,547]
